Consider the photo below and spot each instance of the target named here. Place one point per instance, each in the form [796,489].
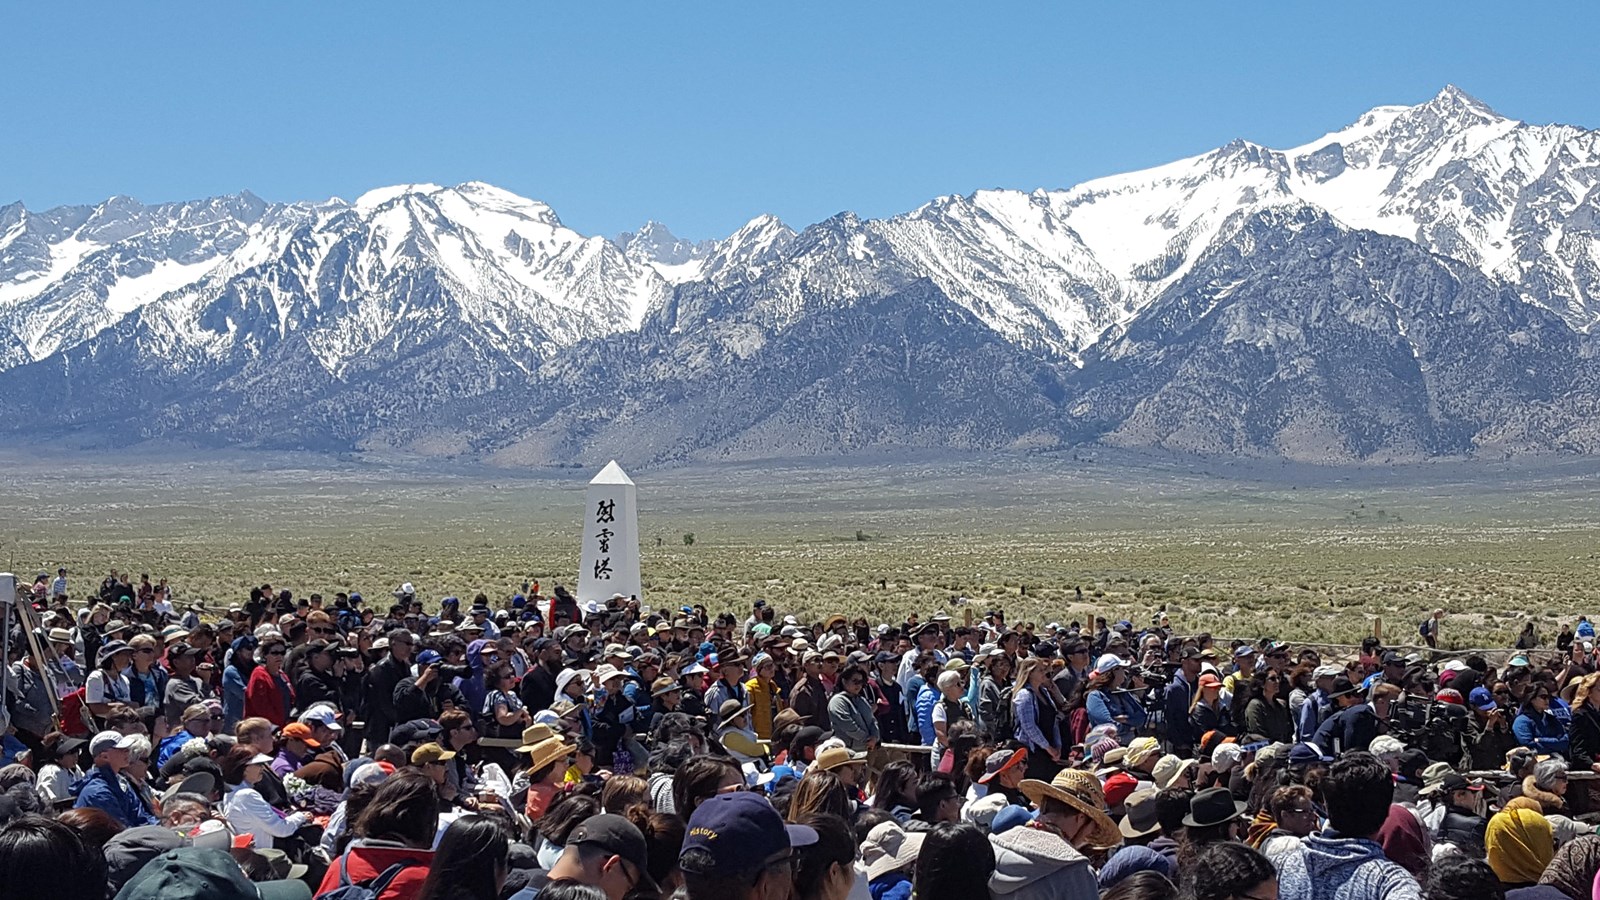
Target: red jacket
[263,698]
[366,863]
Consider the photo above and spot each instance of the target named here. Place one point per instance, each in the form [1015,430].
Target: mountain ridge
[1166,307]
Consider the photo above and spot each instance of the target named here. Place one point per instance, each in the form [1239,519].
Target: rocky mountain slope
[1420,283]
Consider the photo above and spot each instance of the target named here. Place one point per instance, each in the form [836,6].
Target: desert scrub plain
[1238,548]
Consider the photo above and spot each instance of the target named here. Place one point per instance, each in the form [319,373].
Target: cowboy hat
[837,758]
[1081,791]
[1141,819]
[543,753]
[1213,806]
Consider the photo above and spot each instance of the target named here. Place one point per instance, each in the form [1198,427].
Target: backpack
[73,710]
[371,889]
[1423,628]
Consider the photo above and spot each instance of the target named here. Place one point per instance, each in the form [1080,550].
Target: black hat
[619,837]
[1190,653]
[1454,783]
[884,656]
[66,745]
[1392,658]
[196,873]
[1213,806]
[539,643]
[929,628]
[1342,687]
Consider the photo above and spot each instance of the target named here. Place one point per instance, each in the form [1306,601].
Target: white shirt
[248,812]
[55,783]
[100,687]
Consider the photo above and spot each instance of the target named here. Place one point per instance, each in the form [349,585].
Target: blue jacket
[1542,733]
[1104,707]
[927,699]
[105,790]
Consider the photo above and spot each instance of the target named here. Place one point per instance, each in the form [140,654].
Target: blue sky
[702,114]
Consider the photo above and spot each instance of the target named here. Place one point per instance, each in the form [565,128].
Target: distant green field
[1239,549]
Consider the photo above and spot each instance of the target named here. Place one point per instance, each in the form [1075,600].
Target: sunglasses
[322,631]
[274,652]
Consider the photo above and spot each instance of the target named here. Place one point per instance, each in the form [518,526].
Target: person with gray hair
[1548,787]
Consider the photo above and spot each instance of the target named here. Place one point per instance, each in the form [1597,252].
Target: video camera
[1437,729]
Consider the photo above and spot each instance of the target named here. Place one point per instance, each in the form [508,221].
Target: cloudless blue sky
[704,114]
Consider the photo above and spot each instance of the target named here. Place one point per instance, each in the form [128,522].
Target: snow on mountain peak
[371,200]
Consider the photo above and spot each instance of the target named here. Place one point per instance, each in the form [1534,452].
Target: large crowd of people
[537,747]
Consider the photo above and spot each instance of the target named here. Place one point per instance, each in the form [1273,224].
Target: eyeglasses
[274,652]
[146,651]
[731,788]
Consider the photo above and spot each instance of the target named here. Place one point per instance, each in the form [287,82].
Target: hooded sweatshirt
[1034,864]
[1331,867]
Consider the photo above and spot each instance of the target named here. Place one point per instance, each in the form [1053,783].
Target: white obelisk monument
[610,562]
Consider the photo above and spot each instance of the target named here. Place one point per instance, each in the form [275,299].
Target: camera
[449,671]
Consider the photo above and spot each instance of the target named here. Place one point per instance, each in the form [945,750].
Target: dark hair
[1172,804]
[1358,791]
[933,789]
[697,780]
[571,890]
[668,757]
[458,870]
[896,785]
[1146,885]
[819,792]
[1227,869]
[955,863]
[406,807]
[93,826]
[835,844]
[233,763]
[564,815]
[867,819]
[663,838]
[1456,877]
[44,859]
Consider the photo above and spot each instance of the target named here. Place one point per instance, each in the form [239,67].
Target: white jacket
[249,813]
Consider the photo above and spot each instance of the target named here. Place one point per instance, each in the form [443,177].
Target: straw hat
[544,744]
[1081,791]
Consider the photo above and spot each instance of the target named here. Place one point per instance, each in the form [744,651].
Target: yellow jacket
[765,703]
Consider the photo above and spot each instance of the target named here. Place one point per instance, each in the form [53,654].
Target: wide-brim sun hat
[1212,807]
[547,751]
[1081,791]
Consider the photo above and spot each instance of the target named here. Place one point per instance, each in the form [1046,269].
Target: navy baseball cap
[741,832]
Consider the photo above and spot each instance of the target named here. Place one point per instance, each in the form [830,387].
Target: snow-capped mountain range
[336,324]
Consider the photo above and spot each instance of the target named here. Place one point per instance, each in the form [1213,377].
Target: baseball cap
[619,837]
[1107,662]
[322,715]
[739,833]
[430,753]
[111,740]
[299,731]
[1482,698]
[428,657]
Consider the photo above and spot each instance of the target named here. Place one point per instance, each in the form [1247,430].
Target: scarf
[1261,828]
[1572,871]
[1520,845]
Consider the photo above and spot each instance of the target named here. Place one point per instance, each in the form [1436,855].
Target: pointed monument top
[612,474]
